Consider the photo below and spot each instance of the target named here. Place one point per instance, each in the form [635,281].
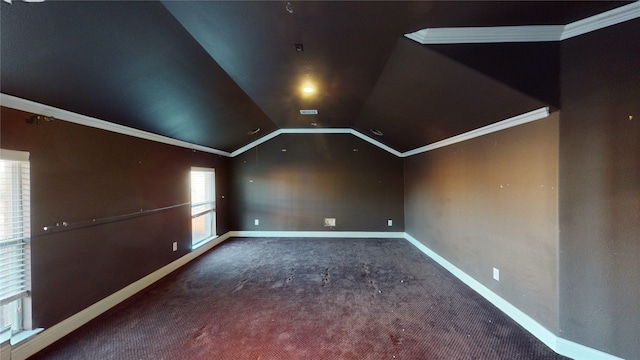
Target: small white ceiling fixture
[309,112]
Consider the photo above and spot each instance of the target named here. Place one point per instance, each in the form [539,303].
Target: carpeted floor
[280,298]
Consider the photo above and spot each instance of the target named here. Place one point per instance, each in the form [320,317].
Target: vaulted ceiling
[210,72]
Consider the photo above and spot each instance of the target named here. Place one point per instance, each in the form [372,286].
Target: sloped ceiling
[209,72]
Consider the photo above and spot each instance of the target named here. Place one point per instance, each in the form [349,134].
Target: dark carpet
[280,298]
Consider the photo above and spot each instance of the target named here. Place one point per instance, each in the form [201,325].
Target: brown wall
[79,174]
[491,202]
[318,176]
[600,190]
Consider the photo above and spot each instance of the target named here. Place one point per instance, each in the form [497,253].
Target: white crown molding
[376,143]
[425,36]
[316,131]
[497,34]
[500,125]
[59,114]
[255,143]
[526,33]
[287,131]
[600,21]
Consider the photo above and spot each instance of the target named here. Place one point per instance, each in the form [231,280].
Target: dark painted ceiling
[208,72]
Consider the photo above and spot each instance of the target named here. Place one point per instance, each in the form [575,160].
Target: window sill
[6,339]
[202,242]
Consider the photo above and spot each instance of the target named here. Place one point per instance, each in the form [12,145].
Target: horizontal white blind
[15,229]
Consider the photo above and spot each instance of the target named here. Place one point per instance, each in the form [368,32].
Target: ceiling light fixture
[376,132]
[307,87]
[253,132]
[309,112]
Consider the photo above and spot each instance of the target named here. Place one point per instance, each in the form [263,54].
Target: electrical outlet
[330,222]
[496,274]
[256,222]
[389,222]
[175,245]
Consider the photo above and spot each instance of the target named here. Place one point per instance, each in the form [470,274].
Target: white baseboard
[49,336]
[561,346]
[574,350]
[320,234]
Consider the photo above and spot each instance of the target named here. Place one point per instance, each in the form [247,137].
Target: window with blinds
[203,205]
[15,232]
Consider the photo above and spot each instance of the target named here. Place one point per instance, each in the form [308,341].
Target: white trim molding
[530,116]
[527,33]
[601,21]
[424,36]
[321,234]
[14,155]
[495,34]
[316,131]
[64,115]
[47,337]
[59,114]
[376,143]
[561,346]
[577,351]
[539,331]
[288,131]
[491,128]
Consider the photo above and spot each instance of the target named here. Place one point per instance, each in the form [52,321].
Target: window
[203,205]
[15,233]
